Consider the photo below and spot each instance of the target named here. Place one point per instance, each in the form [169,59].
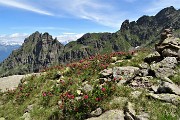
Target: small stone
[78,98]
[114,59]
[134,84]
[79,92]
[87,88]
[119,61]
[113,64]
[96,112]
[29,108]
[106,72]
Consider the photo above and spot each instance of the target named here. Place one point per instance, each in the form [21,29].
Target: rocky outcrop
[162,63]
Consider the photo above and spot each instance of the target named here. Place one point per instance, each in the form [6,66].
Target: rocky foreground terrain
[41,51]
[138,85]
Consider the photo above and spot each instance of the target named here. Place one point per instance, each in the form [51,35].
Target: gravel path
[10,82]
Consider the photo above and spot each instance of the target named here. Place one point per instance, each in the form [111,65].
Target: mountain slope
[147,29]
[41,50]
[38,51]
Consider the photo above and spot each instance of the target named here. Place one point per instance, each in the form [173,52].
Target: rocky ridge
[40,51]
[147,85]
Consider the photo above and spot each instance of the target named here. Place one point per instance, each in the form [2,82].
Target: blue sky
[70,19]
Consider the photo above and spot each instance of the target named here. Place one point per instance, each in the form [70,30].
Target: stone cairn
[168,46]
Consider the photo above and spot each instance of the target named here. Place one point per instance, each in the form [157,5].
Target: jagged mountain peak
[166,11]
[37,36]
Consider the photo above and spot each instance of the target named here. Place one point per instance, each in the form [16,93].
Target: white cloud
[98,11]
[21,5]
[18,38]
[13,39]
[67,37]
[104,12]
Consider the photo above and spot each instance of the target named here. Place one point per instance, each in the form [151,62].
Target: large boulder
[124,73]
[170,98]
[164,68]
[110,115]
[167,87]
[155,56]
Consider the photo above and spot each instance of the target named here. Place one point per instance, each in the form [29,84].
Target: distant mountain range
[41,50]
[6,50]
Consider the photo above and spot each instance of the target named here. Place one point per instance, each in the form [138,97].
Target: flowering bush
[66,91]
[46,98]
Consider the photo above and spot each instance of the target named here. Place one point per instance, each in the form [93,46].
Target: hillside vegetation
[73,91]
